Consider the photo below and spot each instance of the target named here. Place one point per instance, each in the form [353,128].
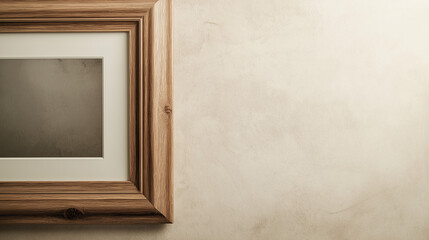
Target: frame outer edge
[161,194]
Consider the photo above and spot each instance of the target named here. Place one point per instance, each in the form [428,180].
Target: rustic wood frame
[148,195]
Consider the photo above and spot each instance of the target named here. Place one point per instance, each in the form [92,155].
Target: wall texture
[294,119]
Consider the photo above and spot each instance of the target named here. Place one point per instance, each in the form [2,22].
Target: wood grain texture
[161,118]
[74,8]
[96,219]
[71,196]
[148,196]
[69,26]
[145,155]
[67,187]
[133,110]
[89,206]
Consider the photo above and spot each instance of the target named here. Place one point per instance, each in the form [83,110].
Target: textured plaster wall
[294,119]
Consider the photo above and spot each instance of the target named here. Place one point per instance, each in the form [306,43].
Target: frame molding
[148,195]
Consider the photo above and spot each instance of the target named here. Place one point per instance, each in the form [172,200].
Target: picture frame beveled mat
[148,195]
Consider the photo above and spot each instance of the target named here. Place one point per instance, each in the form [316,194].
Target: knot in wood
[168,109]
[73,213]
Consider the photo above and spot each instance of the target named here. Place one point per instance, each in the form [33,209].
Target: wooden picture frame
[148,195]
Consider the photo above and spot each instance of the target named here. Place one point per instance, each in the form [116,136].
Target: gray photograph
[51,108]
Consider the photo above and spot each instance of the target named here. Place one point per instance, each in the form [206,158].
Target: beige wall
[294,119]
